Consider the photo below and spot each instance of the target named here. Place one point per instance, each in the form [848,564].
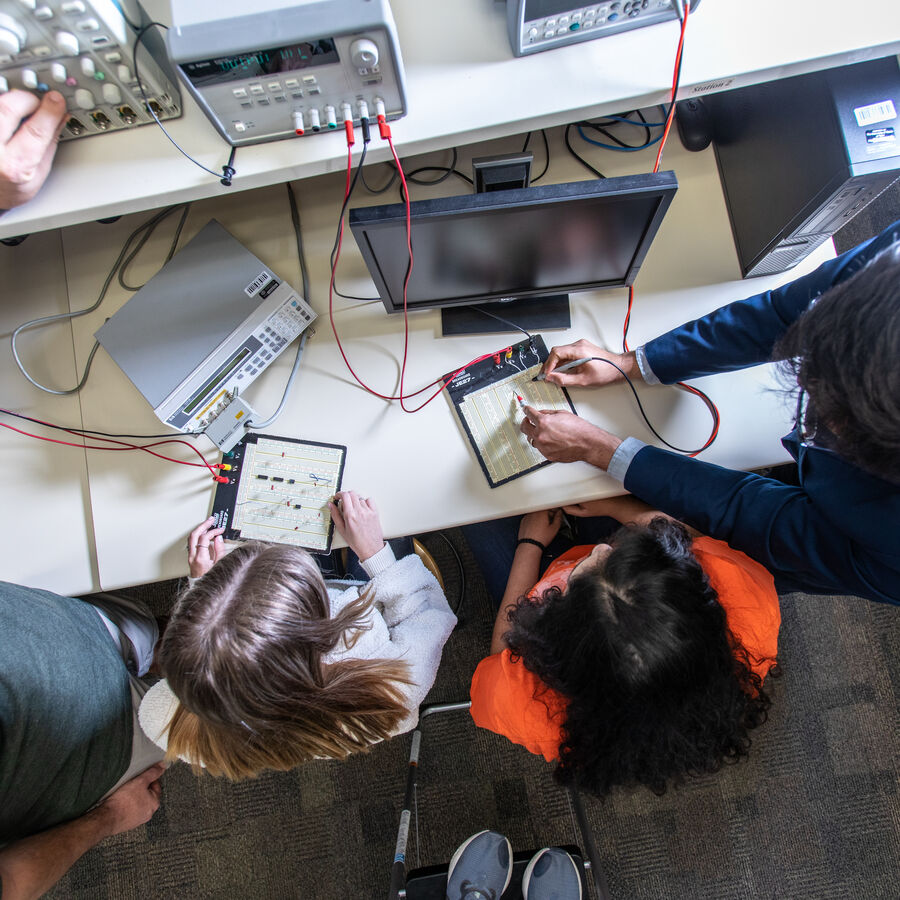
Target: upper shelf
[464,85]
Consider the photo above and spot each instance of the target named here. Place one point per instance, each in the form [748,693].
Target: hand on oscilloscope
[205,547]
[29,129]
[356,518]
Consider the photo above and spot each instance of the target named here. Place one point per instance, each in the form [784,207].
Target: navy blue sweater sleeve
[744,333]
[777,525]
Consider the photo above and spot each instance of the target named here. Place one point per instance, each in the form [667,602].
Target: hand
[134,803]
[205,547]
[590,373]
[626,509]
[356,519]
[562,436]
[595,508]
[29,130]
[541,526]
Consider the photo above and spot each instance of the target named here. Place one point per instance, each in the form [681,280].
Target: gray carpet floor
[813,814]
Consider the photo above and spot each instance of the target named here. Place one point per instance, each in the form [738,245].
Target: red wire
[712,408]
[627,318]
[122,445]
[671,115]
[402,396]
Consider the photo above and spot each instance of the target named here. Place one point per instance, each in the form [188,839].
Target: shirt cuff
[382,560]
[640,357]
[621,459]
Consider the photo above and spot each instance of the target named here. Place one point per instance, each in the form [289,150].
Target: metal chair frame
[398,870]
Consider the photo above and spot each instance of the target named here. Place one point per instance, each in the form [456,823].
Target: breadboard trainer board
[279,491]
[484,397]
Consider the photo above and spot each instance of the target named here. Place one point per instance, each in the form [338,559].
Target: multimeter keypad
[587,18]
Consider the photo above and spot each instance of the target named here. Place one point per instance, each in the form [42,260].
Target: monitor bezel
[365,219]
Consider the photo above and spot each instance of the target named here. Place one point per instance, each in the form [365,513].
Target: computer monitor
[521,251]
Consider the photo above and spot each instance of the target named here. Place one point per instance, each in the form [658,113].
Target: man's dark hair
[844,351]
[657,687]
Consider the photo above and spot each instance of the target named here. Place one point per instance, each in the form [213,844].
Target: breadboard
[484,397]
[279,491]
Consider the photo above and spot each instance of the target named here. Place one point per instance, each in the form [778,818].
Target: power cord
[145,231]
[309,332]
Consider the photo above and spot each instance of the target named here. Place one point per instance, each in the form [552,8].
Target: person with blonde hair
[268,665]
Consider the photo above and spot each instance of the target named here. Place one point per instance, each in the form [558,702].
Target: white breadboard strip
[493,415]
[284,492]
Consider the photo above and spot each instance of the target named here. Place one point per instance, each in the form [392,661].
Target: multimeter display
[290,58]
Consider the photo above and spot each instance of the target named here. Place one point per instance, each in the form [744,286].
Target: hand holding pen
[584,364]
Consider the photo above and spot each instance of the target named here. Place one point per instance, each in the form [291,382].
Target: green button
[99,76]
[574,26]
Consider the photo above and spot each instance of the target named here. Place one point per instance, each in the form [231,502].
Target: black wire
[411,176]
[644,414]
[546,153]
[86,431]
[227,170]
[513,325]
[580,159]
[356,175]
[387,187]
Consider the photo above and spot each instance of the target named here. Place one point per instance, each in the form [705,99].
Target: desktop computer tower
[800,156]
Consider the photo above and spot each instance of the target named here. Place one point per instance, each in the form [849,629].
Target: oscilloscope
[85,49]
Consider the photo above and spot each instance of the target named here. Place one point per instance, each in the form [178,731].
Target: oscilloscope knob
[67,42]
[364,53]
[12,36]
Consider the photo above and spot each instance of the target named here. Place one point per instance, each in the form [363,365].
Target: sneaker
[481,868]
[551,875]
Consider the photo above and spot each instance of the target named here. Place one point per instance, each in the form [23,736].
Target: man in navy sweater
[839,326]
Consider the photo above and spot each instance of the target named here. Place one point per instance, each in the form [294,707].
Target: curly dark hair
[844,352]
[657,686]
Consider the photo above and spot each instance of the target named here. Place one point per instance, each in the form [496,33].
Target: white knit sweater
[409,620]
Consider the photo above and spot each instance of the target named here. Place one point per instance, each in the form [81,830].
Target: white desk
[419,467]
[464,85]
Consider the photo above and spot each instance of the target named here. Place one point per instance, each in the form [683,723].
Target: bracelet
[531,541]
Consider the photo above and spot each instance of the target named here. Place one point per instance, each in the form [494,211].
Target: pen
[521,402]
[564,367]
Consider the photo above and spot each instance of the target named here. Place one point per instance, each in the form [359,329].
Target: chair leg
[591,848]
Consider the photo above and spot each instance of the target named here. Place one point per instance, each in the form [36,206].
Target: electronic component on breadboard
[489,398]
[278,491]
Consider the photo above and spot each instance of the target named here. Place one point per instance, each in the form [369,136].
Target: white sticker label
[875,112]
[260,280]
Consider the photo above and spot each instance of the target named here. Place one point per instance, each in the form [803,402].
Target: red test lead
[381,118]
[347,113]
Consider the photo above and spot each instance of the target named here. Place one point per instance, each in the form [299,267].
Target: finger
[202,528]
[156,788]
[39,131]
[217,548]
[576,509]
[152,774]
[370,502]
[336,515]
[14,106]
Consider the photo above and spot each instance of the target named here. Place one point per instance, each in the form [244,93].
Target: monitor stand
[528,313]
